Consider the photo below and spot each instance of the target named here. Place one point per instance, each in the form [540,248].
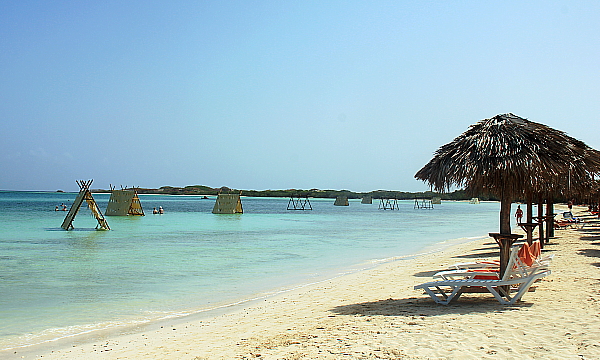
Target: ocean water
[56,284]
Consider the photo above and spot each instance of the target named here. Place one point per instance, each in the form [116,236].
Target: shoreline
[375,313]
[356,241]
[208,313]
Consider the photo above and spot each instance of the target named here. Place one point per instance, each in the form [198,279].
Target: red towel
[492,276]
[536,249]
[490,262]
[525,255]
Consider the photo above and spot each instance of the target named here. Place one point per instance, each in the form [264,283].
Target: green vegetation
[314,193]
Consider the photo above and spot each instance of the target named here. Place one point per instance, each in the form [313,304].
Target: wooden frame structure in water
[299,203]
[85,194]
[389,204]
[124,202]
[423,204]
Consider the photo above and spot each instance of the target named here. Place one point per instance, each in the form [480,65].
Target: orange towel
[489,262]
[493,276]
[525,255]
[536,249]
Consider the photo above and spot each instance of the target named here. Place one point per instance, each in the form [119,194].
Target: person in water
[160,210]
[519,214]
[155,211]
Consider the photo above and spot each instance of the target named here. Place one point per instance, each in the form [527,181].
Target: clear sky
[350,95]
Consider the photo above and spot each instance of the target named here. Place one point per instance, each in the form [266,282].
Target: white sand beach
[376,314]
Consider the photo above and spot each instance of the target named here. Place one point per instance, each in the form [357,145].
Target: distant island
[312,193]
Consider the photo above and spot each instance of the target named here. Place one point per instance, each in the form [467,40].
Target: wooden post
[505,238]
[529,216]
[549,218]
[505,202]
[540,218]
[529,207]
[505,242]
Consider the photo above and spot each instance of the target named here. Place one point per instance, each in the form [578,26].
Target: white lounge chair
[516,267]
[477,265]
[480,264]
[495,264]
[567,217]
[446,291]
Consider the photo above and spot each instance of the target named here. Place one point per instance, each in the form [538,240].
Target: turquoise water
[56,283]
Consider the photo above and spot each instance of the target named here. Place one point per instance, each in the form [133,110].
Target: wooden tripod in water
[85,194]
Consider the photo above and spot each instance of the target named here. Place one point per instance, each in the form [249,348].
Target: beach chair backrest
[523,269]
[525,255]
[512,268]
[536,249]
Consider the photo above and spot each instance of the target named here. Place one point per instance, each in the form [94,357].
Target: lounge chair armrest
[464,274]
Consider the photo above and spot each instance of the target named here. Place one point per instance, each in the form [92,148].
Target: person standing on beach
[519,214]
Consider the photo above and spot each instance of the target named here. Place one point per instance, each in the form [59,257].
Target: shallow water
[55,283]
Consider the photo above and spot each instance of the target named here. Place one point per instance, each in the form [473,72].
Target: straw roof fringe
[510,154]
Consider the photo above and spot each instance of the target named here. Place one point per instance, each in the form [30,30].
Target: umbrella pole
[505,242]
[505,238]
[505,214]
[530,217]
[505,245]
[549,219]
[541,220]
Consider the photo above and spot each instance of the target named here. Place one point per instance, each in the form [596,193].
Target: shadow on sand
[589,230]
[426,307]
[427,274]
[479,255]
[590,252]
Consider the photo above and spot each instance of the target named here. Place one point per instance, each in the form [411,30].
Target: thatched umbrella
[577,181]
[572,183]
[506,156]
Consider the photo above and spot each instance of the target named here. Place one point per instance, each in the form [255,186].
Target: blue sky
[276,95]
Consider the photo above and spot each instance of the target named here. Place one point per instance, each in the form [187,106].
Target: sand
[376,314]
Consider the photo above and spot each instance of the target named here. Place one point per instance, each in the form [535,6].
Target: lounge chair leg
[442,292]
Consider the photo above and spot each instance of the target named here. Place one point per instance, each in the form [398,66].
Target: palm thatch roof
[507,154]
